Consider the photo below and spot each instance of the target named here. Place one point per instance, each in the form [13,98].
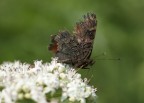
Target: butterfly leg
[84,64]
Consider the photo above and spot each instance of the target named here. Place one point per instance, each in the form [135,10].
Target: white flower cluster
[42,83]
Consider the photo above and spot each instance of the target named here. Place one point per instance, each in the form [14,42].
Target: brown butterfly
[75,49]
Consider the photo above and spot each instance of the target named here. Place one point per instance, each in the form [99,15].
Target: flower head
[41,82]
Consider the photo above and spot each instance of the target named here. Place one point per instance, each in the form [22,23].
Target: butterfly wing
[64,46]
[85,30]
[76,49]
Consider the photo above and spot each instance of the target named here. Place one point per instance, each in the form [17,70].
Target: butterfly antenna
[109,59]
[104,54]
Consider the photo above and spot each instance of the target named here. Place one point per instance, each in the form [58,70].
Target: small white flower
[62,75]
[27,95]
[82,100]
[72,99]
[20,96]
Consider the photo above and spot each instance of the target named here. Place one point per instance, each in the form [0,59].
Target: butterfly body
[76,49]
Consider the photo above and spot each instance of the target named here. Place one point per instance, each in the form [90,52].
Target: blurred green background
[26,26]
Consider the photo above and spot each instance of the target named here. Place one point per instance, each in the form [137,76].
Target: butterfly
[75,48]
